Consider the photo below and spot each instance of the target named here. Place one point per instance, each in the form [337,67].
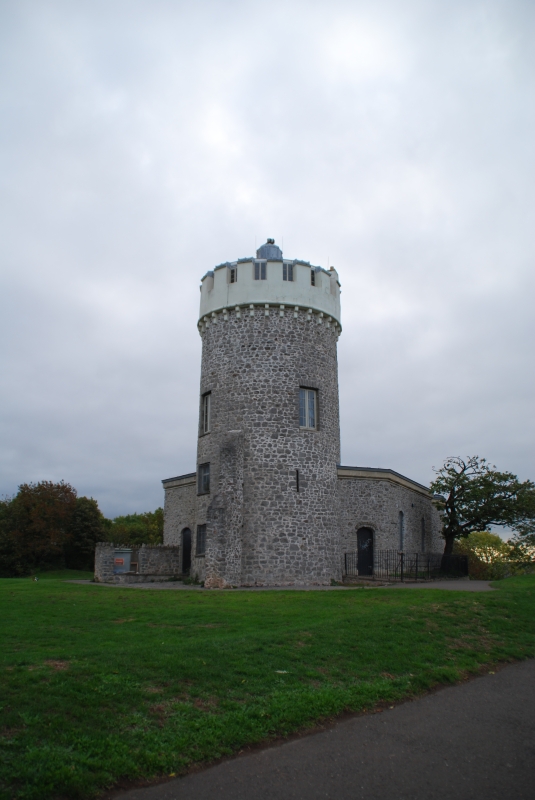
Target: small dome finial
[270,251]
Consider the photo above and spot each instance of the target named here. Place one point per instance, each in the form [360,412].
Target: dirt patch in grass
[58,666]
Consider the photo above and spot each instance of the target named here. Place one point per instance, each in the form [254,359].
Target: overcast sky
[142,143]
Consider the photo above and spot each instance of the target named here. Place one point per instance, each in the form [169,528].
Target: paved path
[469,742]
[459,586]
[454,586]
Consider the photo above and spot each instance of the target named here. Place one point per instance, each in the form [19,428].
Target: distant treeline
[47,526]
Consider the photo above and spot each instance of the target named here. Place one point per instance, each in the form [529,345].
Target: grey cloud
[143,143]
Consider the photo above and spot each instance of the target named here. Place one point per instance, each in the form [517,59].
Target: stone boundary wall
[155,563]
[159,560]
[104,555]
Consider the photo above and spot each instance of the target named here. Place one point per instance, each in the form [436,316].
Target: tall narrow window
[233,275]
[308,408]
[423,536]
[206,412]
[287,272]
[312,277]
[260,271]
[203,479]
[200,549]
[401,531]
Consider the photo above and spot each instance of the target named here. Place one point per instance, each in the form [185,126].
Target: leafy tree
[87,527]
[45,525]
[473,496]
[488,547]
[492,558]
[137,529]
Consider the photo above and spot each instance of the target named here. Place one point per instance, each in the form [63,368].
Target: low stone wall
[159,559]
[154,563]
[104,556]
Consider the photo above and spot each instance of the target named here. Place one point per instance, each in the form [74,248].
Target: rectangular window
[200,549]
[312,277]
[233,275]
[206,412]
[260,271]
[203,479]
[287,272]
[308,408]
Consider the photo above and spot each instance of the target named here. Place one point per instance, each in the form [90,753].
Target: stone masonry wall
[254,362]
[104,555]
[154,562]
[376,504]
[225,517]
[179,510]
[159,560]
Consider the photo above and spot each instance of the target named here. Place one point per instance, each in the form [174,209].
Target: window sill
[200,555]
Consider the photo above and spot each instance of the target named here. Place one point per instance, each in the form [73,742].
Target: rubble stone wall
[155,562]
[104,556]
[376,503]
[254,362]
[159,560]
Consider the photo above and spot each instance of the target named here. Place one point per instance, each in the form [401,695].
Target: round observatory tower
[269,439]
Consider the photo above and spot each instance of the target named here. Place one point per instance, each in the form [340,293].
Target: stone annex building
[269,502]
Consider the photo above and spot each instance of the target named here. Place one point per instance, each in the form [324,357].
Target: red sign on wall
[119,560]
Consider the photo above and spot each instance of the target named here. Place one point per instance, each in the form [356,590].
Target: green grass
[104,684]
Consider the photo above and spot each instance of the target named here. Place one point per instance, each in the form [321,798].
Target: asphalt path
[471,741]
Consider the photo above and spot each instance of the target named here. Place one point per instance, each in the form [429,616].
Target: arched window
[401,531]
[423,535]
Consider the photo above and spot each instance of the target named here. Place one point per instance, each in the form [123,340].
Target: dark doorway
[186,551]
[365,551]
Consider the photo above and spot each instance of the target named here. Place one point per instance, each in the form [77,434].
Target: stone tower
[269,438]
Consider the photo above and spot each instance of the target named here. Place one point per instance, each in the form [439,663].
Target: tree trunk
[448,547]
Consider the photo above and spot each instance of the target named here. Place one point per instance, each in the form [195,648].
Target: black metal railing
[392,565]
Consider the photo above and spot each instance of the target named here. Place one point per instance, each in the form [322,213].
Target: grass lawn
[102,684]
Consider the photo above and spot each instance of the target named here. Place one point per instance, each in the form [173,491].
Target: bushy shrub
[492,558]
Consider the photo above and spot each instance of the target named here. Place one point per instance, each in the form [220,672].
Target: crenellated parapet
[270,285]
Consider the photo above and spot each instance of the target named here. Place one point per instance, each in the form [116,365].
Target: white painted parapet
[232,288]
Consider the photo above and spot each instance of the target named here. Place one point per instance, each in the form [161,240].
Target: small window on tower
[312,277]
[233,275]
[308,408]
[203,479]
[260,270]
[200,549]
[206,412]
[287,272]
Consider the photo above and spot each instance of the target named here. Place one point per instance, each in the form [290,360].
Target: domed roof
[270,251]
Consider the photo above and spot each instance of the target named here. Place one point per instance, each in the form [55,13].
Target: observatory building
[269,502]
